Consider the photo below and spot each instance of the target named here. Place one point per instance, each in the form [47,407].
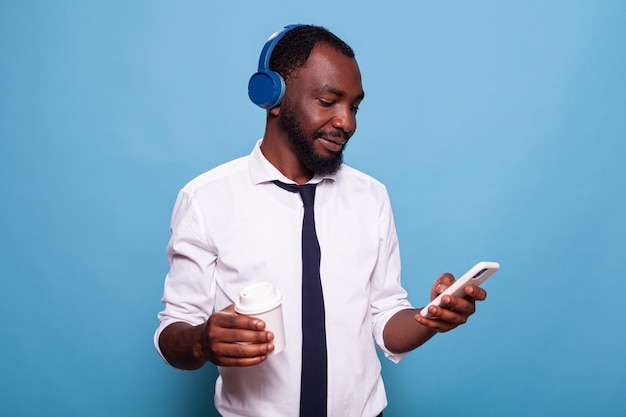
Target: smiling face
[318,112]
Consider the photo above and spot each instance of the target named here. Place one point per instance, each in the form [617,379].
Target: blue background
[498,128]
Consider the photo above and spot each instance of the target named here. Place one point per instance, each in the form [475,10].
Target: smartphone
[475,276]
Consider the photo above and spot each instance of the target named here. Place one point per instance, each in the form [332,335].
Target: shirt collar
[262,170]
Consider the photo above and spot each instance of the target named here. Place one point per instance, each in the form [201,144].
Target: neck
[278,151]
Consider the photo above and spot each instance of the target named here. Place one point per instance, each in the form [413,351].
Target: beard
[302,143]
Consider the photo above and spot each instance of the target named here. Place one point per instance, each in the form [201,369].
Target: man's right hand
[225,339]
[231,339]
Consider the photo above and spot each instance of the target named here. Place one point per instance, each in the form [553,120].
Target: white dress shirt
[232,227]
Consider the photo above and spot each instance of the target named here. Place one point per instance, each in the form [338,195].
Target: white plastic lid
[258,298]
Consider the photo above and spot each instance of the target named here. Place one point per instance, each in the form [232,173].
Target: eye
[354,110]
[324,102]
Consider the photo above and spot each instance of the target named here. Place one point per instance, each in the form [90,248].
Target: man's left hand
[453,311]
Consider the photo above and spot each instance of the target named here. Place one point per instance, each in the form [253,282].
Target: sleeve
[387,294]
[189,290]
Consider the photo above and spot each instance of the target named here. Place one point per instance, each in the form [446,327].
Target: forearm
[181,345]
[403,333]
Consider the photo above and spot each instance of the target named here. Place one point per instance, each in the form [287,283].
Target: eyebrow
[328,89]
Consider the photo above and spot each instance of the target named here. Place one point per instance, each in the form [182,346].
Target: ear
[275,111]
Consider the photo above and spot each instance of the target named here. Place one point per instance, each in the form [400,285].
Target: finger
[236,361]
[446,278]
[476,293]
[232,320]
[235,347]
[216,332]
[450,317]
[241,362]
[241,354]
[235,320]
[458,304]
[434,322]
[441,283]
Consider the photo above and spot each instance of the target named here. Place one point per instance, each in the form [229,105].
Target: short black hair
[294,49]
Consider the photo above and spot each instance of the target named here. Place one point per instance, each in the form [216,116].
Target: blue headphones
[266,88]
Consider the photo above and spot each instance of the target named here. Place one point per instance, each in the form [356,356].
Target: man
[233,226]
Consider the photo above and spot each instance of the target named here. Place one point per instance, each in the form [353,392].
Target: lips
[332,145]
[332,141]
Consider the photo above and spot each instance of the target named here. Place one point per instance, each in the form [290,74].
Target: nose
[345,120]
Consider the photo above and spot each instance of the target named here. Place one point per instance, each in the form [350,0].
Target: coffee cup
[262,300]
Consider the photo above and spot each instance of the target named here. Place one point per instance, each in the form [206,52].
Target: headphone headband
[266,88]
[272,41]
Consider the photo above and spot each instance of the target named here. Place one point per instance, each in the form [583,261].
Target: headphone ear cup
[266,89]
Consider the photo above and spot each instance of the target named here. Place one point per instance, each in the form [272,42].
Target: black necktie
[313,394]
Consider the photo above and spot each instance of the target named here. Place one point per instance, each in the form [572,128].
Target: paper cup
[264,301]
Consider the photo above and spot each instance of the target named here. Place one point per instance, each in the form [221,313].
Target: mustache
[334,134]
